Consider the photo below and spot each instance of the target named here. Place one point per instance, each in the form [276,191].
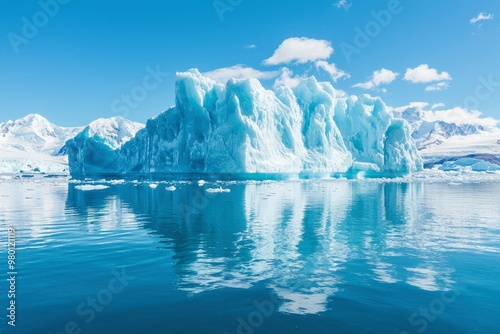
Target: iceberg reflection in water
[332,255]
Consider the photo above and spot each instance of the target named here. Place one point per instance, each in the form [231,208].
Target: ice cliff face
[95,149]
[243,128]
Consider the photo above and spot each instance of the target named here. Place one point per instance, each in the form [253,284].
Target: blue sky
[84,57]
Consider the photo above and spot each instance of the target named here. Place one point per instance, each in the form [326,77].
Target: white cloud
[250,46]
[343,4]
[380,77]
[437,87]
[331,69]
[459,116]
[419,105]
[300,50]
[424,74]
[287,78]
[222,75]
[481,17]
[437,106]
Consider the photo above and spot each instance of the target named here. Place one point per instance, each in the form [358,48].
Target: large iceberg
[243,128]
[95,149]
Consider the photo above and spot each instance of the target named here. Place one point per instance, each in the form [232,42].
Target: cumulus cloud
[399,110]
[378,78]
[287,78]
[250,46]
[481,17]
[437,106]
[437,87]
[222,75]
[457,115]
[334,72]
[300,50]
[424,74]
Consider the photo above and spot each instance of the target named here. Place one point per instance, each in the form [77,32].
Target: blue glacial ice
[243,128]
[469,164]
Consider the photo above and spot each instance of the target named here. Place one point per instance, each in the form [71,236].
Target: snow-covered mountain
[429,133]
[241,127]
[438,139]
[34,133]
[32,143]
[472,145]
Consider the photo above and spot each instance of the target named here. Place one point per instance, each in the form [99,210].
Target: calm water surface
[268,257]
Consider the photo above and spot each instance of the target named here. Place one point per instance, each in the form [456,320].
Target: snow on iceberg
[243,128]
[95,149]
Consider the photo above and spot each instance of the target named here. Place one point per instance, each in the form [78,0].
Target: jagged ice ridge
[241,127]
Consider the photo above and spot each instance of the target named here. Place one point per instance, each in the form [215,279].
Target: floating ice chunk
[218,190]
[115,182]
[153,185]
[201,183]
[88,187]
[171,188]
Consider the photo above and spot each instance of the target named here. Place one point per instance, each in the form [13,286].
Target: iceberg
[243,128]
[95,149]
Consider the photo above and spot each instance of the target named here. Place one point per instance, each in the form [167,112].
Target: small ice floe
[218,190]
[153,185]
[88,187]
[201,183]
[454,183]
[115,182]
[171,188]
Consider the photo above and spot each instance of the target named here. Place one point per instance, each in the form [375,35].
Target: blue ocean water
[266,257]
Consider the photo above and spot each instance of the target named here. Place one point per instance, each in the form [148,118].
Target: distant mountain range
[32,143]
[438,139]
[35,134]
[428,133]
